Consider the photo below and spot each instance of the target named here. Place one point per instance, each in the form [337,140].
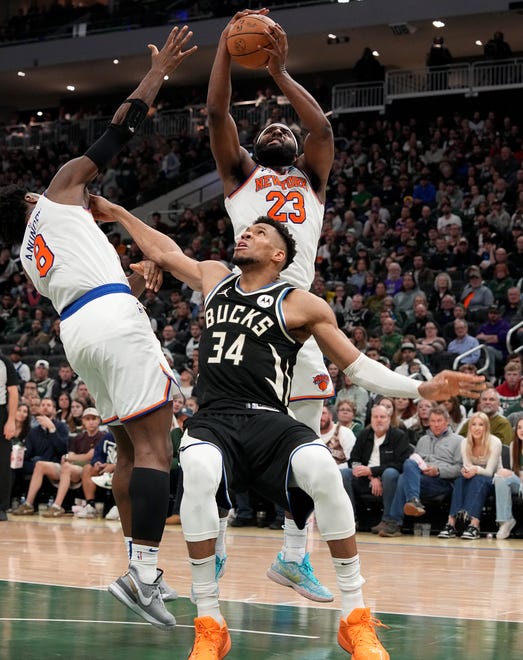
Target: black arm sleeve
[109,145]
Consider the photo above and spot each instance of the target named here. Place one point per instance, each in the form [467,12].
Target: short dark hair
[13,211]
[290,243]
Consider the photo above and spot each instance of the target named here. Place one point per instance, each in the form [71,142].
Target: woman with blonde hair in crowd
[481,454]
[508,483]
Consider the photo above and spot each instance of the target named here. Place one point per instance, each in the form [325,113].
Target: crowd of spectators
[420,258]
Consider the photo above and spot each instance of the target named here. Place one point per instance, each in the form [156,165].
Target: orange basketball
[244,38]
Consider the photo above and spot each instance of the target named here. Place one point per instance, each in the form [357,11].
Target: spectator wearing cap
[462,257]
[22,369]
[408,356]
[447,218]
[493,334]
[69,470]
[44,384]
[476,295]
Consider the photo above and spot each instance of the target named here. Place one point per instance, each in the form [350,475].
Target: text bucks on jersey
[246,354]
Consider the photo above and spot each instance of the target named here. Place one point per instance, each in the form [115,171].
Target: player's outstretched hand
[452,383]
[169,58]
[102,209]
[151,272]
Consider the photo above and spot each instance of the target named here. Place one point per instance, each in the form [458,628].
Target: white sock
[145,559]
[128,543]
[220,541]
[205,587]
[294,542]
[349,581]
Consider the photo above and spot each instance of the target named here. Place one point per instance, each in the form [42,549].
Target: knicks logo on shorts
[321,381]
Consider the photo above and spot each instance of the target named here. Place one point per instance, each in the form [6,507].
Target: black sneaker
[449,532]
[414,507]
[471,533]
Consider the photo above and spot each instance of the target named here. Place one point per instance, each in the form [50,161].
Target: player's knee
[314,467]
[201,467]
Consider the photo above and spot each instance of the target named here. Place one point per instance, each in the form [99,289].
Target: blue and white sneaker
[299,577]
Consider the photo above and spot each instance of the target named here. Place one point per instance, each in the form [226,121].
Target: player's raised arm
[67,186]
[159,248]
[318,147]
[225,144]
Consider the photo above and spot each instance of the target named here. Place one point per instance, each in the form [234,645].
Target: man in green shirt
[499,425]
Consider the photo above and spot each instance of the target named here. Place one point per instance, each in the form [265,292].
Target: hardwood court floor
[443,600]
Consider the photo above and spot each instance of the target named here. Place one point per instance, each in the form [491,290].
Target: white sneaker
[87,511]
[104,480]
[505,528]
[113,514]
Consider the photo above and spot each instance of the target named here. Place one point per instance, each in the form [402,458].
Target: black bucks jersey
[246,354]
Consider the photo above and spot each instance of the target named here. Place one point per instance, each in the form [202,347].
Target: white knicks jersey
[287,198]
[66,254]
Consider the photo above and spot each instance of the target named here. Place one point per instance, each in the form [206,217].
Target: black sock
[149,492]
[91,503]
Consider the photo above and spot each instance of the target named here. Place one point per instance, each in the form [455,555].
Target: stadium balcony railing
[466,78]
[169,124]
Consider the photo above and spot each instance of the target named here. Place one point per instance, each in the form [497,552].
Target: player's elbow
[216,112]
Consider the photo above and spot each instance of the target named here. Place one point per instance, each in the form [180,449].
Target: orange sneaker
[357,636]
[212,641]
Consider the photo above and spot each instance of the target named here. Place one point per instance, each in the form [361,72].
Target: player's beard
[271,155]
[240,260]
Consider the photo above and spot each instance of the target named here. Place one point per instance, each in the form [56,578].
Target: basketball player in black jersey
[255,325]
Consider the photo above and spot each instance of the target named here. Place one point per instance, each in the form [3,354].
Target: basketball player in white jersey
[290,188]
[107,335]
